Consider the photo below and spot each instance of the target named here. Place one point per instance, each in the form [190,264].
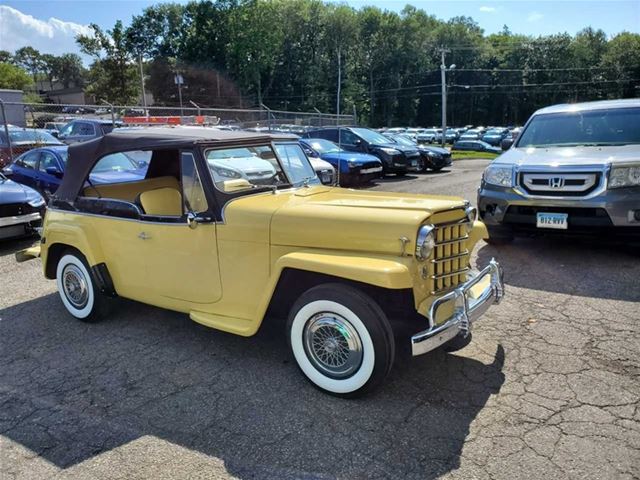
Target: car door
[350,141]
[23,170]
[47,182]
[182,258]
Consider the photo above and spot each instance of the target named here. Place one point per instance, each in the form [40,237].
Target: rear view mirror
[506,143]
[54,171]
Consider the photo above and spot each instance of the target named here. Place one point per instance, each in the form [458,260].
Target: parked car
[495,136]
[21,209]
[355,168]
[343,264]
[450,135]
[43,168]
[22,140]
[77,109]
[427,135]
[470,135]
[84,130]
[573,169]
[475,146]
[53,127]
[324,170]
[395,158]
[432,158]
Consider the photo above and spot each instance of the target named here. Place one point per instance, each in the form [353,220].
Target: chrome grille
[559,183]
[450,262]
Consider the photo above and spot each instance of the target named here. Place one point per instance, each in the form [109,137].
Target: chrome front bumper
[19,219]
[469,307]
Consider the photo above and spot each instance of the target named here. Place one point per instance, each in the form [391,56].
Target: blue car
[355,168]
[42,169]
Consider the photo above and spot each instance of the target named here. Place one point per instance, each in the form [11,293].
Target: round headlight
[425,242]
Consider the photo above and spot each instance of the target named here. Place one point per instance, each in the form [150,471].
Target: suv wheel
[77,288]
[341,340]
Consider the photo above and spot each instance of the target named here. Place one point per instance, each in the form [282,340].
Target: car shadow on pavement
[10,247]
[70,391]
[557,264]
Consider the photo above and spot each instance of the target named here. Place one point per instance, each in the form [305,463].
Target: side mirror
[55,133]
[54,171]
[358,142]
[506,143]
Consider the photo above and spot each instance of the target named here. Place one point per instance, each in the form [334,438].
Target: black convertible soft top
[83,156]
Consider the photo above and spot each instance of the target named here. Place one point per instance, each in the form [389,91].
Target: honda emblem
[556,182]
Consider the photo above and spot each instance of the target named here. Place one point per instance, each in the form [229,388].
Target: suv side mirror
[54,171]
[506,143]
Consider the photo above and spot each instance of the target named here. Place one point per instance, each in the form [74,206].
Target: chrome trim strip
[452,257]
[18,219]
[560,170]
[450,242]
[448,275]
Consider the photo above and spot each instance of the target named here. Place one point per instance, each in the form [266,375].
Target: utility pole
[144,95]
[179,80]
[443,79]
[339,85]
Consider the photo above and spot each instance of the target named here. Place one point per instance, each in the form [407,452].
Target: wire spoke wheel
[75,286]
[333,345]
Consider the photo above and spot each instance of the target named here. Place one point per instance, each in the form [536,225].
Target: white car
[325,171]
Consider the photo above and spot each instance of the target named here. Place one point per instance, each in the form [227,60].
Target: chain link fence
[42,121]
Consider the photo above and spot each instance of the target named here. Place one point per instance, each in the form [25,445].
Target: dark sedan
[432,158]
[22,140]
[42,169]
[355,168]
[83,130]
[495,136]
[475,146]
[21,209]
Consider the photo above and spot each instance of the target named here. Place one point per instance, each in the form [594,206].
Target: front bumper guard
[469,307]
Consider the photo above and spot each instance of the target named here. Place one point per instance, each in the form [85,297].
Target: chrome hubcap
[75,286]
[332,345]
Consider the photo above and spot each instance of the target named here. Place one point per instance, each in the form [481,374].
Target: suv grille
[450,262]
[559,184]
[15,209]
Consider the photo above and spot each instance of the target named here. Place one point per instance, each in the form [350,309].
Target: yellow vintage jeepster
[234,227]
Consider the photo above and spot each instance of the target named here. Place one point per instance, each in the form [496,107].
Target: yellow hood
[341,219]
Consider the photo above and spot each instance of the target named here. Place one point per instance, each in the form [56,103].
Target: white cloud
[486,9]
[48,36]
[534,17]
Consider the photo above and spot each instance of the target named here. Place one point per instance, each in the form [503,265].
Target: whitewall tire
[340,339]
[77,288]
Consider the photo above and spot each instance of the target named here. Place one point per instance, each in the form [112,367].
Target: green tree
[30,59]
[112,76]
[13,77]
[6,57]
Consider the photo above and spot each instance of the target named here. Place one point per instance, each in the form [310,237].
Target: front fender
[381,271]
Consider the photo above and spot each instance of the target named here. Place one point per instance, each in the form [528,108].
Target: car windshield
[32,136]
[116,162]
[620,126]
[323,146]
[402,140]
[370,136]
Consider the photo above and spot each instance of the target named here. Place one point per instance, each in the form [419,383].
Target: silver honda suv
[573,169]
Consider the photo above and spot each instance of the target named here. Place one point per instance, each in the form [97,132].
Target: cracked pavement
[548,388]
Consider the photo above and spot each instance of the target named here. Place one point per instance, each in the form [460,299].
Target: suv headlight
[627,176]
[390,151]
[499,175]
[425,242]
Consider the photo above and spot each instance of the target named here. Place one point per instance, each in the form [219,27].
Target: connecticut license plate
[552,220]
[371,170]
[326,177]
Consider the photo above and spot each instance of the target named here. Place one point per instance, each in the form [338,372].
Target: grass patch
[463,155]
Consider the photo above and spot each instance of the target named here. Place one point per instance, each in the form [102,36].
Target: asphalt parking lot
[548,389]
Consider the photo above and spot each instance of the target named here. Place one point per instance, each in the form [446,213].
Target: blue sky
[51,26]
